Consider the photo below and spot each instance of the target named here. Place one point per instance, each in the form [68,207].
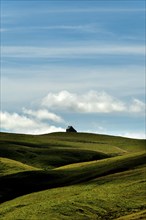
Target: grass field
[72,176]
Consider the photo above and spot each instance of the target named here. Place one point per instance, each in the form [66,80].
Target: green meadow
[72,176]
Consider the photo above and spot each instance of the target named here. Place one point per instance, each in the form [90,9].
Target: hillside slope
[58,149]
[108,197]
[85,176]
[8,166]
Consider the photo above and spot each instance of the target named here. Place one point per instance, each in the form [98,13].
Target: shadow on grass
[19,184]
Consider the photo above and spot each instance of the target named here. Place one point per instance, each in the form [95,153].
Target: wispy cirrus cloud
[95,10]
[80,28]
[71,52]
[61,10]
[90,28]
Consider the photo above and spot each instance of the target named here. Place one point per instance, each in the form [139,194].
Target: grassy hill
[72,176]
[8,166]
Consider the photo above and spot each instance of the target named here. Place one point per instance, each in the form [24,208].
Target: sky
[79,63]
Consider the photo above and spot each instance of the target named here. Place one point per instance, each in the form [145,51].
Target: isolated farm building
[70,129]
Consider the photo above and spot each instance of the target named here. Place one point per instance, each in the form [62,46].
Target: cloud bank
[91,102]
[43,114]
[14,122]
[44,119]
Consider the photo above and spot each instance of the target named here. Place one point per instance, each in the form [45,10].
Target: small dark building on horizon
[70,129]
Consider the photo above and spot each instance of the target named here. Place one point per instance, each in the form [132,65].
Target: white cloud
[91,102]
[122,81]
[14,119]
[32,121]
[43,114]
[16,123]
[71,52]
[137,106]
[137,135]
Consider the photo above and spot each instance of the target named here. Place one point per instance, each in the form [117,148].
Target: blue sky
[79,63]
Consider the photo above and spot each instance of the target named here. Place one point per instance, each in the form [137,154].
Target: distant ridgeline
[70,129]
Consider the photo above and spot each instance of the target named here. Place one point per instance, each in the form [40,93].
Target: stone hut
[70,129]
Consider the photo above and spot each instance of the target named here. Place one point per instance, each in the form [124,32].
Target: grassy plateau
[77,176]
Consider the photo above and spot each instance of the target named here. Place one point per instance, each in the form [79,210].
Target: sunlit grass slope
[47,151]
[141,215]
[85,176]
[58,149]
[107,197]
[27,182]
[8,166]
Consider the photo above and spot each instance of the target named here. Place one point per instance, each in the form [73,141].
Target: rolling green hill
[72,176]
[8,166]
